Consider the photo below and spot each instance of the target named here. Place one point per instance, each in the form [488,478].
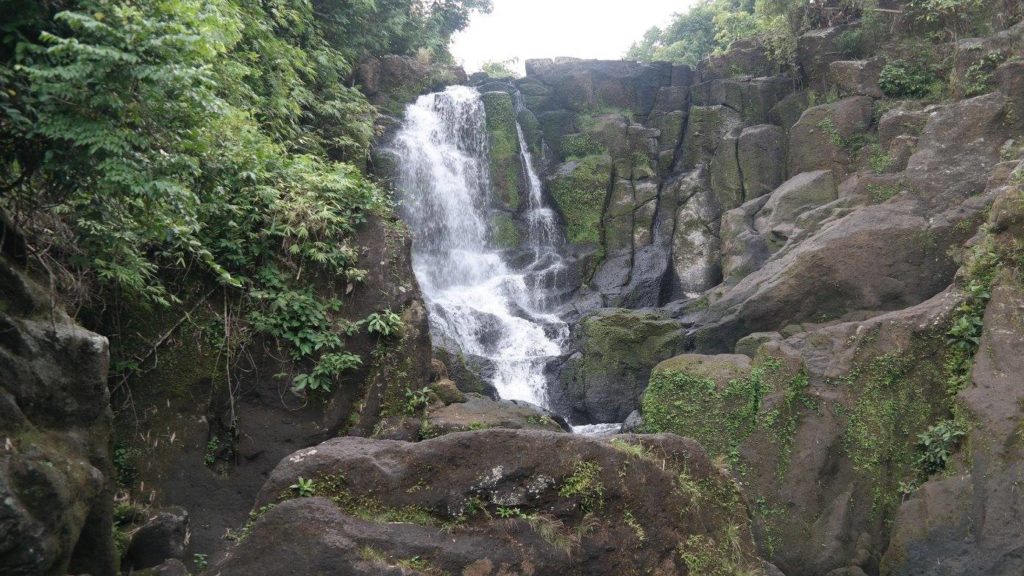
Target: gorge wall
[803,296]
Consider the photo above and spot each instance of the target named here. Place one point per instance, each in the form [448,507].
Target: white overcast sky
[547,28]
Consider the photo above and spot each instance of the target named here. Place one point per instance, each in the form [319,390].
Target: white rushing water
[478,303]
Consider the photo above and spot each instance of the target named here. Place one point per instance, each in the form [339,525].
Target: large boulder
[966,521]
[825,135]
[479,413]
[498,502]
[618,349]
[583,85]
[957,149]
[56,475]
[761,155]
[857,77]
[391,81]
[801,193]
[893,257]
[753,98]
[820,428]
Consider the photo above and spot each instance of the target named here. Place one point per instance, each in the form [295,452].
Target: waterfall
[479,304]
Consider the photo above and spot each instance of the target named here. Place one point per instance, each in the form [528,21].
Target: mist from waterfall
[479,305]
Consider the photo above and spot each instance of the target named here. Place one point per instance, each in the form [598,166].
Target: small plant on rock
[585,483]
[416,399]
[937,444]
[384,324]
[304,487]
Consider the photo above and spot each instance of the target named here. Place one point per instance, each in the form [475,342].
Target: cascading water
[478,303]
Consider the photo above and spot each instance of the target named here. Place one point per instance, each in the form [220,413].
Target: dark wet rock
[580,85]
[171,567]
[743,58]
[957,149]
[472,374]
[816,50]
[798,195]
[900,122]
[744,248]
[56,474]
[391,81]
[749,344]
[857,77]
[633,423]
[161,537]
[752,98]
[618,349]
[821,139]
[761,155]
[479,413]
[966,520]
[788,111]
[453,492]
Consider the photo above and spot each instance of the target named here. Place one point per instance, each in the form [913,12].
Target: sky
[525,29]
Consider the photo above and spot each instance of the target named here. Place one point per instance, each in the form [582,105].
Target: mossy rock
[504,231]
[712,399]
[505,164]
[620,347]
[579,189]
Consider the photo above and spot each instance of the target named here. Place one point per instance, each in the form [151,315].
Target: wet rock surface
[56,472]
[498,502]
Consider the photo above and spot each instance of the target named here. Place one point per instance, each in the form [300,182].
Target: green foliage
[304,487]
[712,26]
[936,444]
[585,485]
[212,449]
[506,512]
[880,192]
[902,79]
[385,324]
[977,79]
[141,141]
[501,70]
[580,196]
[576,146]
[952,18]
[416,400]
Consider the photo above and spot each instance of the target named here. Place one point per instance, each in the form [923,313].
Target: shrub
[901,79]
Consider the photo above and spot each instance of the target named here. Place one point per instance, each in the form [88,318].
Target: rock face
[392,81]
[56,474]
[619,349]
[966,521]
[498,502]
[210,445]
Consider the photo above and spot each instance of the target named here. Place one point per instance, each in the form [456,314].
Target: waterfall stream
[480,305]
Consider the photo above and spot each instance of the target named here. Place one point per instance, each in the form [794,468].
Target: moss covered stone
[505,164]
[620,347]
[504,231]
[579,188]
[712,399]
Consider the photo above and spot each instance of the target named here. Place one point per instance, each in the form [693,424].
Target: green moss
[580,196]
[505,164]
[366,506]
[504,231]
[627,339]
[720,554]
[576,146]
[711,401]
[584,484]
[881,192]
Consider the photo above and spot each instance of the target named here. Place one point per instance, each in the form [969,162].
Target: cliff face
[838,235]
[56,475]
